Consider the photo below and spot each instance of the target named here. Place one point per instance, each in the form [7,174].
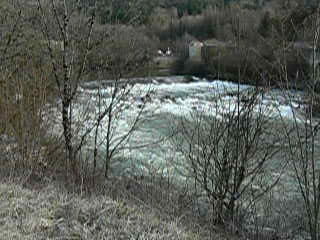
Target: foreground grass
[53,213]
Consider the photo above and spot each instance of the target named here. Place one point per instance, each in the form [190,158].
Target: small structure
[195,51]
[160,53]
[204,51]
[168,52]
[214,48]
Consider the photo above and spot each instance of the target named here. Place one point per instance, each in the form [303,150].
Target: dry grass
[53,213]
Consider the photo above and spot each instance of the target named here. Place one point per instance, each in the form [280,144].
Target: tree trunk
[67,132]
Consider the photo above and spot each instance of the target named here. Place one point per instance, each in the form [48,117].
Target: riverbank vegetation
[241,166]
[51,211]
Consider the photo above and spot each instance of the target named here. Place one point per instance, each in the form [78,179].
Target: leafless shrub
[302,141]
[24,91]
[227,153]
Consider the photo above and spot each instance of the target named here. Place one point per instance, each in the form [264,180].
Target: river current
[160,102]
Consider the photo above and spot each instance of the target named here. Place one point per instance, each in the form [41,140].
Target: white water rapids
[163,100]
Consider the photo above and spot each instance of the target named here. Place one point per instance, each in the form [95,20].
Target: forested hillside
[258,25]
[122,10]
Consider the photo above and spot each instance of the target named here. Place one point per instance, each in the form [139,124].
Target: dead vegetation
[54,213]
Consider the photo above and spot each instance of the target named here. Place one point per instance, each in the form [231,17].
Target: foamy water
[159,102]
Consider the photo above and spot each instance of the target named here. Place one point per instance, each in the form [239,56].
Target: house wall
[195,52]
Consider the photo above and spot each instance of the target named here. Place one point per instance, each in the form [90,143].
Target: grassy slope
[53,213]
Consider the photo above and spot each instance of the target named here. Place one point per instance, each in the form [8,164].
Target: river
[160,102]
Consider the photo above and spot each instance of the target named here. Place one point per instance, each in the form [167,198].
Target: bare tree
[227,152]
[77,47]
[302,139]
[68,62]
[126,52]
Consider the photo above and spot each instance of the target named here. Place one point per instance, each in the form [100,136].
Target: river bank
[50,211]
